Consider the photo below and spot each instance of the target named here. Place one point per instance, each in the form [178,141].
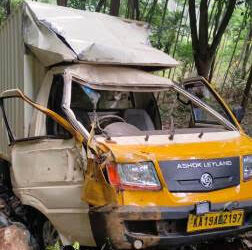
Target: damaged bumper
[126,227]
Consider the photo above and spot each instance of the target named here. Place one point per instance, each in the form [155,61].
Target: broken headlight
[141,175]
[247,167]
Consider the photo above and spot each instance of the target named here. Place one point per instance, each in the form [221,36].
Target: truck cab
[104,151]
[103,168]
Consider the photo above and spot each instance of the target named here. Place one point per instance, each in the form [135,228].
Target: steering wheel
[108,119]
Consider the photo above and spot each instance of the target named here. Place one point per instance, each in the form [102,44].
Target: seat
[139,118]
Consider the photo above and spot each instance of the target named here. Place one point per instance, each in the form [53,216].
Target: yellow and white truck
[84,152]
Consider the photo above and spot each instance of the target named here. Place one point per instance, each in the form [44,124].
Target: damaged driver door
[47,172]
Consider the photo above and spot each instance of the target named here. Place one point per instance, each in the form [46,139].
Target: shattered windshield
[133,113]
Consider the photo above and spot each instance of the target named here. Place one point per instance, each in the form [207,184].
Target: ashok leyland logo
[206,180]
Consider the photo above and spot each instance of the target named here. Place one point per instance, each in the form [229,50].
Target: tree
[246,93]
[151,11]
[62,2]
[204,52]
[162,24]
[99,5]
[235,47]
[8,7]
[177,36]
[133,9]
[114,7]
[248,50]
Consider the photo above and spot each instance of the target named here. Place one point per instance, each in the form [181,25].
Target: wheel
[43,231]
[50,235]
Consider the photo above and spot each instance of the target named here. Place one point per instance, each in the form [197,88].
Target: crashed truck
[86,156]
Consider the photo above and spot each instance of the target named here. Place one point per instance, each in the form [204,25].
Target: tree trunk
[151,11]
[162,24]
[221,56]
[203,66]
[104,6]
[177,36]
[8,7]
[246,93]
[62,2]
[144,10]
[247,53]
[217,17]
[234,50]
[84,4]
[203,52]
[133,9]
[114,7]
[137,10]
[212,69]
[180,24]
[99,5]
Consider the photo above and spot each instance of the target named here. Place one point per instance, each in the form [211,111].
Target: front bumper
[121,226]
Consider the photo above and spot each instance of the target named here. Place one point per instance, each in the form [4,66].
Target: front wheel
[50,236]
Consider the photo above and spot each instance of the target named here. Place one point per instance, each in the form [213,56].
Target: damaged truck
[85,155]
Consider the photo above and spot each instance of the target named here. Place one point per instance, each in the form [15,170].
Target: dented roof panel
[117,78]
[56,34]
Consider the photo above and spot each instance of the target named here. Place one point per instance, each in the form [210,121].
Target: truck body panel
[18,69]
[54,40]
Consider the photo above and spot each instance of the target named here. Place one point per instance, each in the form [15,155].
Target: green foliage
[57,246]
[2,14]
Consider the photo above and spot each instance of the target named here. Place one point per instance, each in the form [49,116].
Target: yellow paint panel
[238,146]
[96,191]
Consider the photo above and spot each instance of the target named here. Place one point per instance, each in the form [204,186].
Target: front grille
[201,175]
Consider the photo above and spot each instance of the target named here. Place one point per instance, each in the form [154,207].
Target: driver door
[47,172]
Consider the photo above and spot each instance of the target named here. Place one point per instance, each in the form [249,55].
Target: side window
[54,103]
[202,92]
[173,111]
[17,123]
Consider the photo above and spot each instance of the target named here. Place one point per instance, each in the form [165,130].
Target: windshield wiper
[201,134]
[172,129]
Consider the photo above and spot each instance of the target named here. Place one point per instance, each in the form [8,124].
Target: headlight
[134,176]
[247,167]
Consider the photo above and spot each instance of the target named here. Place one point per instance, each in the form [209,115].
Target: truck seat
[139,118]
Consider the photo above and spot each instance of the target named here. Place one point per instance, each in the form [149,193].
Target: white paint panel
[18,69]
[11,72]
[178,138]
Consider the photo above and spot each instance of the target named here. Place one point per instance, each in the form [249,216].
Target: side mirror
[239,112]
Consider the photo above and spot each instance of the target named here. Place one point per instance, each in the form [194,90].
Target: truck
[85,154]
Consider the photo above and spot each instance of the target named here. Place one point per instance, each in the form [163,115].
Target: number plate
[215,220]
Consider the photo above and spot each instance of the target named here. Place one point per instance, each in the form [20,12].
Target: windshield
[135,113]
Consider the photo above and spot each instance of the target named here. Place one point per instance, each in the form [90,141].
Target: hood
[184,146]
[182,166]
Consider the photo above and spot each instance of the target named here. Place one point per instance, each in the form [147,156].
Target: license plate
[215,220]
